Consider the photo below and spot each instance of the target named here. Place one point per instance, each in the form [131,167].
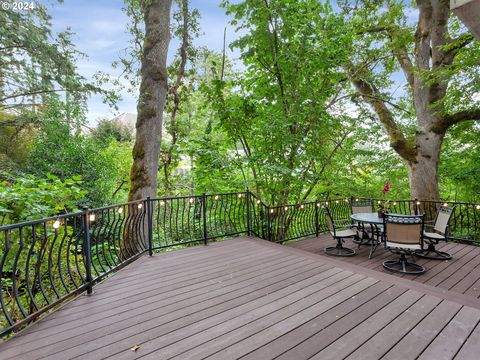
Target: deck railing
[45,262]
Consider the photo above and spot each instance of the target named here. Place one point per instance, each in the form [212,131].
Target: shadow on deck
[250,299]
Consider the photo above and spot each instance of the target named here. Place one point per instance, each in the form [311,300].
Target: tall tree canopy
[35,62]
[439,61]
[284,112]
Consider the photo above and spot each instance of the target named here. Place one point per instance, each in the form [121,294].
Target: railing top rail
[63,216]
[117,205]
[332,201]
[424,201]
[196,196]
[38,221]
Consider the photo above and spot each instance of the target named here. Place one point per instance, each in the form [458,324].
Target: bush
[28,198]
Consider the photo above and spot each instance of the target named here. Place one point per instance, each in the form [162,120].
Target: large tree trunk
[423,171]
[151,101]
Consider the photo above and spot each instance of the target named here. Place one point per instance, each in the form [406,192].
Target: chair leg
[339,249]
[373,248]
[433,254]
[402,265]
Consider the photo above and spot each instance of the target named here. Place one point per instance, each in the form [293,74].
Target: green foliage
[35,62]
[107,130]
[15,141]
[283,111]
[28,198]
[120,156]
[62,150]
[460,166]
[287,125]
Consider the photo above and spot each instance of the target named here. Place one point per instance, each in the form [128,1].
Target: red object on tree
[386,188]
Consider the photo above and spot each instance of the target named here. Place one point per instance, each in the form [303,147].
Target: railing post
[87,249]
[415,206]
[268,223]
[204,208]
[475,226]
[316,219]
[248,212]
[149,225]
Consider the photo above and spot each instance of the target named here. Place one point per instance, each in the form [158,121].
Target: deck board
[460,275]
[250,299]
[413,344]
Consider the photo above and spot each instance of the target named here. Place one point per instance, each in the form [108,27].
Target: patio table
[376,224]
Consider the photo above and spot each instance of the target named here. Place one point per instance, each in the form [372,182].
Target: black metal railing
[44,262]
[464,224]
[191,219]
[290,222]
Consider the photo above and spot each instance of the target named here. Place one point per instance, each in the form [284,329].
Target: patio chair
[366,233]
[338,234]
[361,206]
[439,231]
[403,236]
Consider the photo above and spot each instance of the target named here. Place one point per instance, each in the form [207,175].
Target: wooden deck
[459,275]
[250,299]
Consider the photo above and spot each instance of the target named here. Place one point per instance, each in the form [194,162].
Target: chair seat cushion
[345,233]
[395,245]
[432,235]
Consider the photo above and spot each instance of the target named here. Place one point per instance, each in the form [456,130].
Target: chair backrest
[361,206]
[328,216]
[404,231]
[444,215]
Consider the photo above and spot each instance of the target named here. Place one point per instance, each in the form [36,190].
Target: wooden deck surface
[250,299]
[459,275]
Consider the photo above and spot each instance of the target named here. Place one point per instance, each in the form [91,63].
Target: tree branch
[452,48]
[444,122]
[397,140]
[400,52]
[30,93]
[327,162]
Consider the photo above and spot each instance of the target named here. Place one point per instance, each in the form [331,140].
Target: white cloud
[108,27]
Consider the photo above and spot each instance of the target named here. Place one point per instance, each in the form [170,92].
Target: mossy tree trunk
[151,102]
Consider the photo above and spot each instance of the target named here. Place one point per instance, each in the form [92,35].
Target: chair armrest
[347,223]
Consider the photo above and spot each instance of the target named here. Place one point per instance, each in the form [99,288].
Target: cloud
[105,27]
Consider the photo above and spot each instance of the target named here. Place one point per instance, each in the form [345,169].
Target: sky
[100,32]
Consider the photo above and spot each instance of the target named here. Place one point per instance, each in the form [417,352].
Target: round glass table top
[371,218]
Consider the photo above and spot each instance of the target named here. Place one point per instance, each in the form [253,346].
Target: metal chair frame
[401,264]
[431,252]
[339,236]
[370,234]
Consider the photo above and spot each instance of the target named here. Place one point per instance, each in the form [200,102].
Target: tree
[283,115]
[108,129]
[185,29]
[439,61]
[35,63]
[61,150]
[151,101]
